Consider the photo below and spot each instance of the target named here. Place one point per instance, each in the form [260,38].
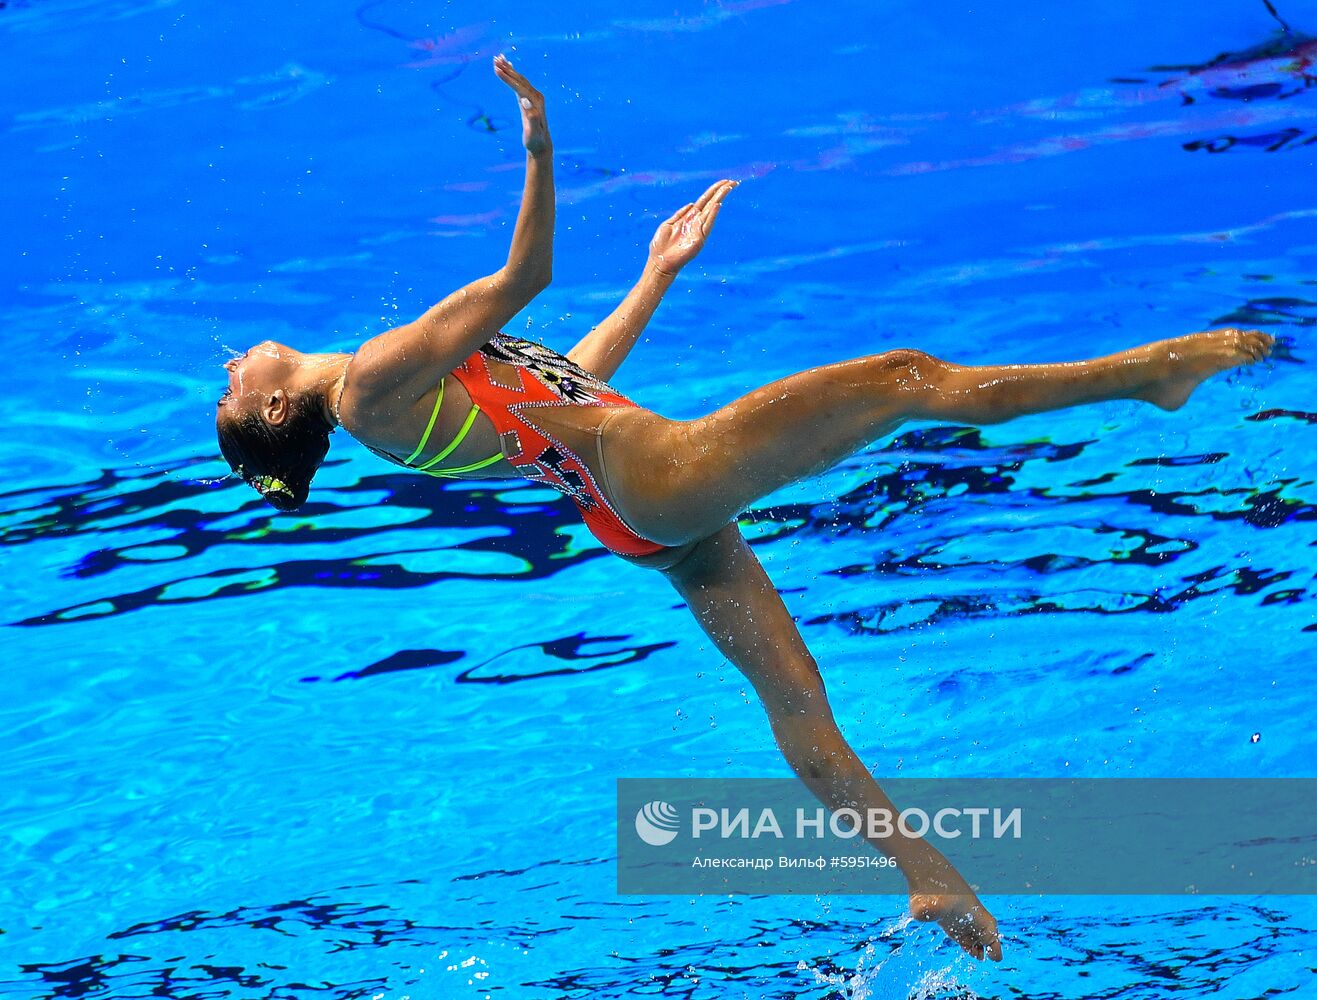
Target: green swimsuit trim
[461,436]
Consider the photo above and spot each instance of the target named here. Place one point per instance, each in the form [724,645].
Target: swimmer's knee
[810,740]
[912,363]
[912,383]
[798,696]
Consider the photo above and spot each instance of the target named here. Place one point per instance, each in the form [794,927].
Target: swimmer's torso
[581,397]
[538,410]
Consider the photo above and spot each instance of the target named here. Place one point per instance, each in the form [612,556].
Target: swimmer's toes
[1261,344]
[963,919]
[1255,344]
[1198,356]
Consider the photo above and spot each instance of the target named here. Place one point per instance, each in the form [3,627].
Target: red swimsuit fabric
[546,378]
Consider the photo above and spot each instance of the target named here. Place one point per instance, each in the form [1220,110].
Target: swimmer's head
[272,435]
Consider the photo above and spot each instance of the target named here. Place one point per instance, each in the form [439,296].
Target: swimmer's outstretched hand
[534,127]
[682,236]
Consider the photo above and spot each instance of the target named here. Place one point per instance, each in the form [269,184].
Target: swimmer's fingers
[504,71]
[712,190]
[676,216]
[681,236]
[534,127]
[712,202]
[715,194]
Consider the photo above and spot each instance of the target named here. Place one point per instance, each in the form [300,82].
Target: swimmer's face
[257,382]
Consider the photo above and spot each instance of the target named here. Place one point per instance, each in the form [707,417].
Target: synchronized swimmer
[450,395]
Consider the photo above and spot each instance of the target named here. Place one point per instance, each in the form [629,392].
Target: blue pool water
[369,750]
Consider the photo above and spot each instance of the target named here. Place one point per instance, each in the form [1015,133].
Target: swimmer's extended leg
[701,473]
[738,607]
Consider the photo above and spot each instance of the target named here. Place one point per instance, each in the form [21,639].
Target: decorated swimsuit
[541,377]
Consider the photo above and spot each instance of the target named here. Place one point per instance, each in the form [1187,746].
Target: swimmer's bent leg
[741,611]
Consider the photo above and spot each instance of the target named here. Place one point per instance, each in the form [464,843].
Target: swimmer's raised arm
[675,245]
[402,364]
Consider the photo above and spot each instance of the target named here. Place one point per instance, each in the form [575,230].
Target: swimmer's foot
[1180,364]
[948,899]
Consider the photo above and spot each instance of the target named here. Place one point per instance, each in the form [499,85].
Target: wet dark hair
[278,462]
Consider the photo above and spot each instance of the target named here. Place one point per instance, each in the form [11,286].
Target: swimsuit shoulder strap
[452,445]
[438,401]
[461,436]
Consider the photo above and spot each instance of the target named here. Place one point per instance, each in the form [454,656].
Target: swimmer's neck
[322,376]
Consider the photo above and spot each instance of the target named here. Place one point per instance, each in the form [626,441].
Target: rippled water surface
[369,750]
